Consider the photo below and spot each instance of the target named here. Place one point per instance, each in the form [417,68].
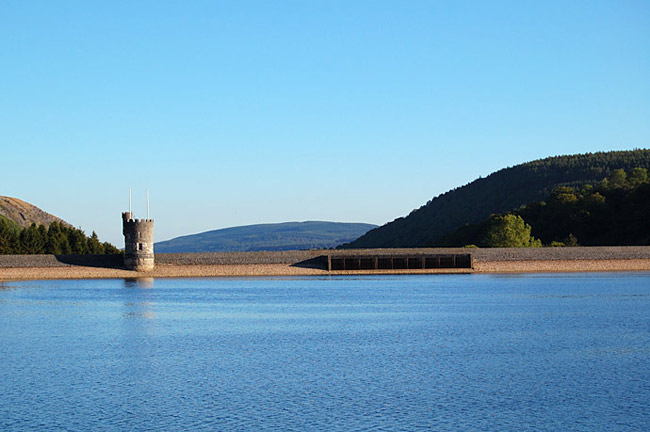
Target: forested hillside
[614,213]
[26,229]
[56,239]
[502,191]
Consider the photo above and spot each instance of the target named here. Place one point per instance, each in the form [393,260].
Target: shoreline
[299,263]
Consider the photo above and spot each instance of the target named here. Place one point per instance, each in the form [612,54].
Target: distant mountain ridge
[267,237]
[504,190]
[24,213]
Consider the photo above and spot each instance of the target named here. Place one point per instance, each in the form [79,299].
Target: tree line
[500,192]
[614,212]
[57,238]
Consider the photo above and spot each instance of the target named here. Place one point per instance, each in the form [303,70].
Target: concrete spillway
[397,262]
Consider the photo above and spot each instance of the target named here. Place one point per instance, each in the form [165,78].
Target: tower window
[139,246]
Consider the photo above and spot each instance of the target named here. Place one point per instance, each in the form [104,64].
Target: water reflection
[139,301]
[143,283]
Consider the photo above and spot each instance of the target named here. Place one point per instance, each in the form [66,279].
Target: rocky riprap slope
[295,257]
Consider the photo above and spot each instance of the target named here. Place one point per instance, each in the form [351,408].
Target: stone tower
[138,242]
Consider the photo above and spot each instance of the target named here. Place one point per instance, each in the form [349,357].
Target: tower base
[139,263]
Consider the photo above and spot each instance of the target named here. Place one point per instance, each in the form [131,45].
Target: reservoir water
[549,352]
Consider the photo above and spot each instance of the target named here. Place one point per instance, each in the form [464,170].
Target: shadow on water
[103,261]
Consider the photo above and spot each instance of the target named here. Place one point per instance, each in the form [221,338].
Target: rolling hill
[24,214]
[26,229]
[499,192]
[268,237]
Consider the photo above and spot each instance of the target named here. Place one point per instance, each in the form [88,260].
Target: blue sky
[241,112]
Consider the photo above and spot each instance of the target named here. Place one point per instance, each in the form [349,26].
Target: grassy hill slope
[24,214]
[269,237]
[26,229]
[501,191]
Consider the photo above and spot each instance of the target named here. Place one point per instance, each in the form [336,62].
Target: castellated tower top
[138,241]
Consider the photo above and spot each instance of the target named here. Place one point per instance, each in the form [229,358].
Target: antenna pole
[130,200]
[147,203]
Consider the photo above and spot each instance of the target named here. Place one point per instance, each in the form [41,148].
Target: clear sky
[242,112]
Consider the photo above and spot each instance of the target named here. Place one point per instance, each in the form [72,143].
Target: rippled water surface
[439,352]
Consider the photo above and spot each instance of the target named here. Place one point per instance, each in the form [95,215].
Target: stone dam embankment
[297,263]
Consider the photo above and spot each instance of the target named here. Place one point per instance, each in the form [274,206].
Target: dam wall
[314,263]
[295,257]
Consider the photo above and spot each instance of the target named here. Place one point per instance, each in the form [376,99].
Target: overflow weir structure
[397,262]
